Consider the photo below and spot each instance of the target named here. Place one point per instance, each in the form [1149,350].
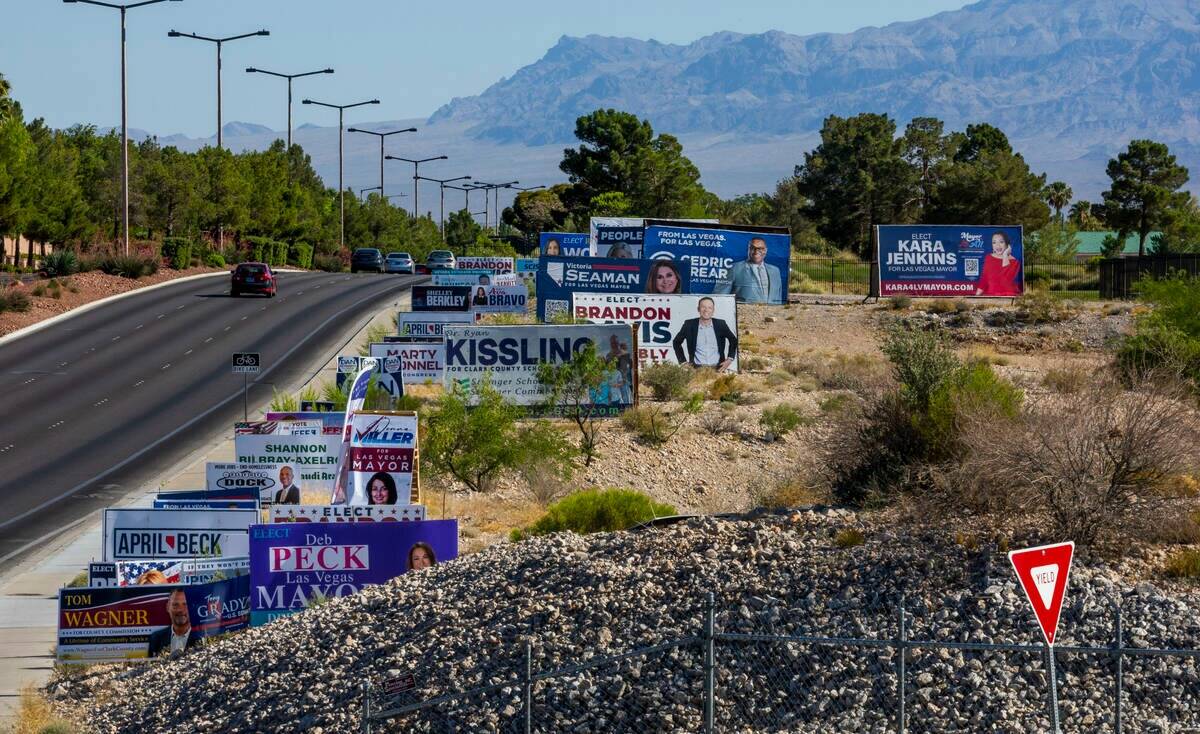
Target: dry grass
[1065,380]
[482,518]
[35,715]
[986,354]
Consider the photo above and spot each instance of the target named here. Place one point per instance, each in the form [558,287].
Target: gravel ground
[463,624]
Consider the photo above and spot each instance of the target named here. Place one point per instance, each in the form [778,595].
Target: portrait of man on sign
[754,280]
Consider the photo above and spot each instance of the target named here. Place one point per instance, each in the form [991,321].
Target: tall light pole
[381,137]
[485,186]
[441,182]
[376,188]
[220,43]
[289,78]
[416,175]
[124,114]
[341,108]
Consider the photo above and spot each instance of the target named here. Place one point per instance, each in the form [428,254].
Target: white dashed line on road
[117,338]
[206,341]
[63,364]
[227,328]
[160,316]
[139,382]
[102,402]
[165,366]
[245,317]
[56,425]
[180,306]
[6,448]
[31,379]
[138,327]
[187,352]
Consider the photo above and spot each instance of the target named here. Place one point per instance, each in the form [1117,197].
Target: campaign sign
[510,355]
[526,269]
[750,263]
[298,463]
[206,504]
[207,570]
[382,458]
[931,260]
[204,495]
[461,276]
[420,362]
[500,299]
[131,533]
[347,513]
[677,329]
[292,564]
[102,575]
[149,571]
[179,571]
[278,428]
[559,277]
[617,236]
[566,244]
[103,625]
[441,298]
[485,262]
[331,421]
[263,479]
[429,323]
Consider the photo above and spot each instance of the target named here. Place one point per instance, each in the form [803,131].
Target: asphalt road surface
[103,402]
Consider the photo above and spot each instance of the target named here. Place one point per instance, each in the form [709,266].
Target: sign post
[1043,572]
[246,364]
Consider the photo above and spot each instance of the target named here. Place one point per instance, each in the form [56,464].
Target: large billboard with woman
[950,260]
[559,277]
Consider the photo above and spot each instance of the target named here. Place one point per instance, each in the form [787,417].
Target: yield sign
[1043,573]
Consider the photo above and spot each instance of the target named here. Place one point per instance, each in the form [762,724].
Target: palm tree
[1081,214]
[1058,195]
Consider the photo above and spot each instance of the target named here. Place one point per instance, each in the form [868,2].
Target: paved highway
[100,403]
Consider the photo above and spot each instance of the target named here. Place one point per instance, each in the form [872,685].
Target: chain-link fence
[891,681]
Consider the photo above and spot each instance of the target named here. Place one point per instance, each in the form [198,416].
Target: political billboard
[676,329]
[299,464]
[625,236]
[952,260]
[565,244]
[500,298]
[103,625]
[206,504]
[474,276]
[139,533]
[263,479]
[382,459]
[235,493]
[510,355]
[330,420]
[292,564]
[278,428]
[429,323]
[490,263]
[526,269]
[420,362]
[157,571]
[347,513]
[559,277]
[441,298]
[751,263]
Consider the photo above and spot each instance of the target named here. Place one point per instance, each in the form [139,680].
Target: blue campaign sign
[559,277]
[931,260]
[565,244]
[750,263]
[291,564]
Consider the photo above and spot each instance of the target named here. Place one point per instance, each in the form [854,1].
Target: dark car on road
[399,262]
[253,278]
[366,258]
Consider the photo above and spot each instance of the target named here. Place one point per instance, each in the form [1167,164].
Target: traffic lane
[96,440]
[101,367]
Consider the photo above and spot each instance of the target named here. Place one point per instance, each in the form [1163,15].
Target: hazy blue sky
[62,60]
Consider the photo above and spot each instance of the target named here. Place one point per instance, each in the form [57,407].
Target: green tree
[533,212]
[996,187]
[1081,215]
[569,387]
[1145,188]
[1058,195]
[1181,232]
[462,231]
[856,178]
[1053,243]
[979,140]
[929,151]
[57,212]
[224,191]
[17,153]
[610,204]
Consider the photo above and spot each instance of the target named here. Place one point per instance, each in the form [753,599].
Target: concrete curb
[34,328]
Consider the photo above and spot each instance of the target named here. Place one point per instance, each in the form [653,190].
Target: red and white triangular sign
[1043,573]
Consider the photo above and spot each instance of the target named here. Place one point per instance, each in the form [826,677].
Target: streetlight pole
[289,78]
[220,43]
[441,182]
[416,175]
[124,113]
[381,137]
[341,108]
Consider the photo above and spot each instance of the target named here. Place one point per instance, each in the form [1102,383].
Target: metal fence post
[366,714]
[1120,670]
[709,663]
[528,687]
[902,644]
[1054,727]
[832,281]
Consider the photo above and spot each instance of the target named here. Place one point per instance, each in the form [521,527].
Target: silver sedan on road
[398,262]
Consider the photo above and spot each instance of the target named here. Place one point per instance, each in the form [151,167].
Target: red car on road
[253,278]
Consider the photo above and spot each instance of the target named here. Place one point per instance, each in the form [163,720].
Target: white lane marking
[31,379]
[102,402]
[6,448]
[245,317]
[227,328]
[116,338]
[56,425]
[160,316]
[187,352]
[264,308]
[138,327]
[206,341]
[63,364]
[139,382]
[165,366]
[179,307]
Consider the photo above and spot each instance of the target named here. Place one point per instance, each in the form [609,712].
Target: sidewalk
[29,591]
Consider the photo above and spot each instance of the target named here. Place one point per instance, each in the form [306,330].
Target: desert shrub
[724,387]
[940,306]
[1184,564]
[214,260]
[1064,380]
[60,263]
[800,282]
[1037,279]
[667,381]
[571,388]
[330,263]
[39,290]
[80,579]
[282,402]
[597,511]
[899,303]
[1174,528]
[755,364]
[920,361]
[1168,336]
[834,403]
[331,393]
[840,372]
[849,538]
[1038,307]
[654,425]
[477,438]
[781,420]
[720,423]
[128,266]
[975,390]
[179,251]
[796,490]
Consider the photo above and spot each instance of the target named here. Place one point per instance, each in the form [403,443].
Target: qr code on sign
[970,266]
[555,310]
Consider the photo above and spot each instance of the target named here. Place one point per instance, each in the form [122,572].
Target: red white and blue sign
[952,261]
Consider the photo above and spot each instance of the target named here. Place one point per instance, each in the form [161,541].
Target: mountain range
[1070,81]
